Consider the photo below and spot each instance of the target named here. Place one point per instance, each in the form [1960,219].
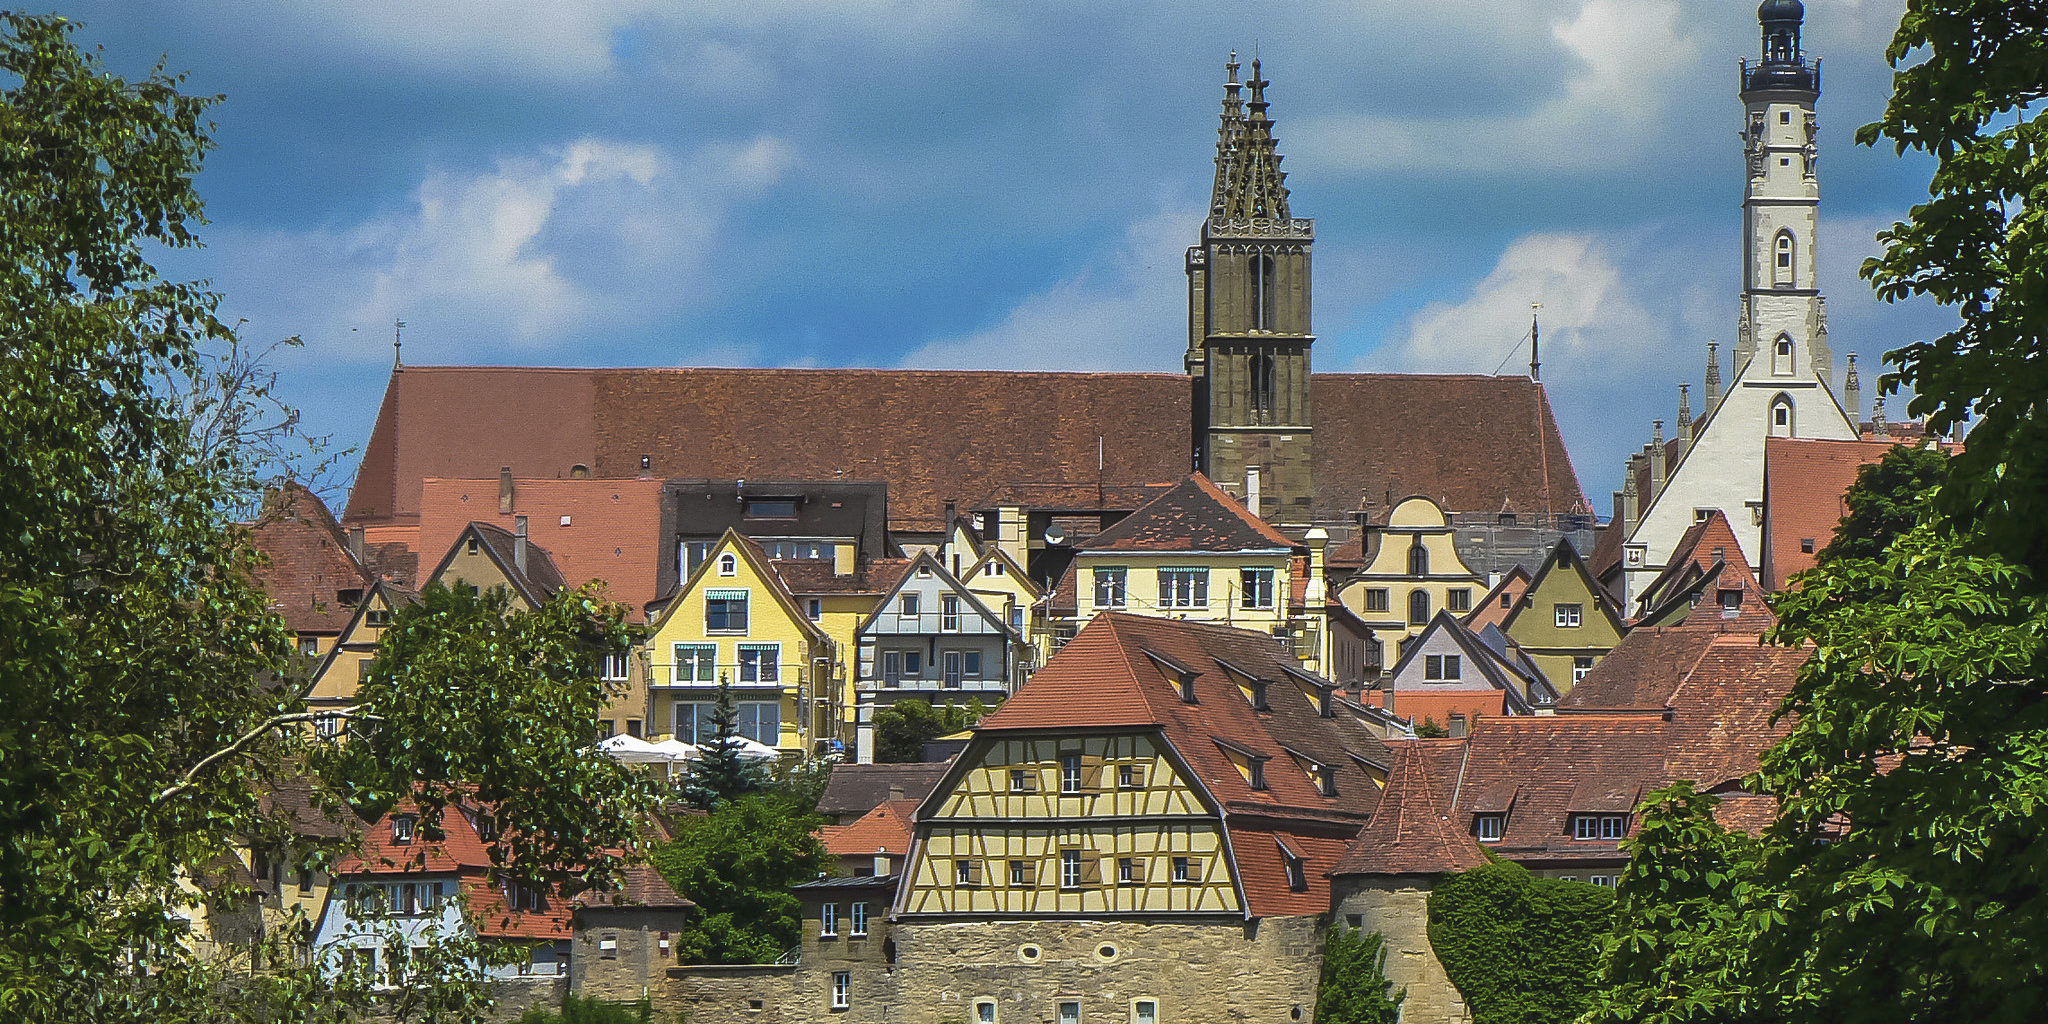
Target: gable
[1563,579]
[931,584]
[682,616]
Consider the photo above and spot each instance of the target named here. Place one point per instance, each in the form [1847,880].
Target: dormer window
[1599,826]
[350,597]
[1255,772]
[771,508]
[401,828]
[1258,695]
[1731,603]
[1487,827]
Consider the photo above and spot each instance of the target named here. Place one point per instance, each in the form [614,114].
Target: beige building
[1564,623]
[1412,571]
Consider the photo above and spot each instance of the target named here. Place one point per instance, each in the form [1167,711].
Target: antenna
[1535,339]
[397,343]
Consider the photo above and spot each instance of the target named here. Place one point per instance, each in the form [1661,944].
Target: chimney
[1657,457]
[1852,393]
[1713,376]
[1251,489]
[505,490]
[355,543]
[1879,428]
[519,544]
[895,792]
[1628,498]
[1317,593]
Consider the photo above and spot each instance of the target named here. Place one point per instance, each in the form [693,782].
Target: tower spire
[1535,338]
[1685,412]
[1713,375]
[1249,181]
[1229,139]
[1852,393]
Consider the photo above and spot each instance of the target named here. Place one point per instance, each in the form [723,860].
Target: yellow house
[1000,583]
[1564,622]
[338,674]
[485,556]
[837,596]
[1412,570]
[734,621]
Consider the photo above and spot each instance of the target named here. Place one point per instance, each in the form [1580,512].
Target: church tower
[1783,318]
[1248,319]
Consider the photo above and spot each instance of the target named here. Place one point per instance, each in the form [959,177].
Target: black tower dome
[1782,66]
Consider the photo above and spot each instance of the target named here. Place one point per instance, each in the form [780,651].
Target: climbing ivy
[1521,949]
[1354,987]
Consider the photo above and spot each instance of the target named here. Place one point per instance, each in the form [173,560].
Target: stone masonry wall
[1398,908]
[753,993]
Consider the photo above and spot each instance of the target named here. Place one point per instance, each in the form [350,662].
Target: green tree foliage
[737,864]
[576,1010]
[1521,949]
[721,774]
[1429,730]
[1980,244]
[903,728]
[1885,502]
[1353,988]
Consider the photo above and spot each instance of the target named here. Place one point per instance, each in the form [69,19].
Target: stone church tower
[1248,319]
[1782,310]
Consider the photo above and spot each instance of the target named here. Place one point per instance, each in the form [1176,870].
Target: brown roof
[1536,770]
[640,885]
[592,529]
[1194,515]
[1706,561]
[537,582]
[1473,443]
[1413,832]
[1805,480]
[1491,610]
[856,789]
[307,561]
[806,577]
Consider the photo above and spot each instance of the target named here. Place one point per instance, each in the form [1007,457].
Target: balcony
[742,676]
[934,683]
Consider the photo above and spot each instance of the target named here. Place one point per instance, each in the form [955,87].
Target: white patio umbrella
[750,750]
[676,749]
[631,750]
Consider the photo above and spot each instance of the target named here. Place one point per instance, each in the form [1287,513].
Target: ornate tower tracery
[1248,316]
[1783,318]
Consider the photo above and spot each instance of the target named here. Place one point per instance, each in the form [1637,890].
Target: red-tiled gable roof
[856,789]
[1194,515]
[1090,676]
[808,577]
[1413,832]
[1540,770]
[493,921]
[308,561]
[1805,480]
[1262,869]
[1745,812]
[1721,711]
[886,829]
[1641,673]
[613,531]
[1491,611]
[1473,443]
[379,854]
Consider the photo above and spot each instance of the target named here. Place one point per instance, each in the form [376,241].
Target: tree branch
[241,743]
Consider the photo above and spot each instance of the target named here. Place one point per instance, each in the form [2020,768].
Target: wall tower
[1783,317]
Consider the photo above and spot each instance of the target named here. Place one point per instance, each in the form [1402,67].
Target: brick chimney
[505,490]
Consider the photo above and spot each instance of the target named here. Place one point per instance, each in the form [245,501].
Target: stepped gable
[307,561]
[856,789]
[1413,832]
[1195,515]
[934,435]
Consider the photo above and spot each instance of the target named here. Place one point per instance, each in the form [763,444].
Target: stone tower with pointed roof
[1248,319]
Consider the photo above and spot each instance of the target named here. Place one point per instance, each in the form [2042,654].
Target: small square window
[401,828]
[1023,780]
[1806,545]
[1376,600]
[1130,776]
[1581,666]
[907,606]
[1070,1012]
[1459,600]
[1184,869]
[1570,616]
[1487,827]
[814,609]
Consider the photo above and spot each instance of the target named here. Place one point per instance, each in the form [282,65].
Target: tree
[1353,988]
[1521,949]
[1885,502]
[737,864]
[722,774]
[903,728]
[1429,730]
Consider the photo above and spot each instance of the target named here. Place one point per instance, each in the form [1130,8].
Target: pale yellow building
[1412,570]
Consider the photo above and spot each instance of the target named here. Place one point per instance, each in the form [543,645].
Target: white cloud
[1627,55]
[532,253]
[1125,310]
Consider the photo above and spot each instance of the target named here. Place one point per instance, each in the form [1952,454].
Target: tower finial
[1249,182]
[1535,338]
[1685,411]
[1879,426]
[1713,375]
[397,344]
[1852,393]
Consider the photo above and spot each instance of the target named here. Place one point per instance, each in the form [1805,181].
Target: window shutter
[1091,773]
[1091,870]
[973,872]
[1030,872]
[1138,868]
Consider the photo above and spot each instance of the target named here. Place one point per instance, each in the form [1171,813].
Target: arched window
[1265,393]
[1265,300]
[1781,272]
[728,565]
[1783,423]
[1418,607]
[1781,356]
[1418,559]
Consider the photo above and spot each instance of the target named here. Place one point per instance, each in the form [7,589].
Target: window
[759,663]
[1070,1012]
[1581,666]
[1265,391]
[1418,607]
[725,611]
[1130,776]
[1255,772]
[1782,273]
[1264,299]
[771,508]
[970,664]
[842,989]
[1185,870]
[1569,616]
[1376,600]
[696,663]
[984,1011]
[814,609]
[892,667]
[1731,603]
[329,725]
[1806,545]
[606,728]
[1183,588]
[309,646]
[1784,117]
[949,613]
[1070,773]
[378,618]
[1017,618]
[828,921]
[522,896]
[1023,872]
[995,568]
[1442,666]
[800,550]
[857,921]
[1070,869]
[1256,587]
[1418,559]
[1023,780]
[913,663]
[1599,826]
[906,606]
[1506,600]
[1129,871]
[1109,588]
[728,564]
[305,881]
[633,727]
[760,721]
[693,553]
[967,872]
[1604,881]
[1487,827]
[950,660]
[1781,417]
[1297,872]
[1459,600]
[401,828]
[612,667]
[608,948]
[1781,357]
[1144,1011]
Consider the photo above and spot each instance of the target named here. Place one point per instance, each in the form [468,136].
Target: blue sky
[954,183]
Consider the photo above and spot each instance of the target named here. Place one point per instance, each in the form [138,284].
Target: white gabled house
[933,638]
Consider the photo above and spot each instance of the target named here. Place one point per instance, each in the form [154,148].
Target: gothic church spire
[1249,181]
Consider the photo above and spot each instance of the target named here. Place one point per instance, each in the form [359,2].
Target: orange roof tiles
[1805,480]
[1413,832]
[593,529]
[1473,443]
[1194,515]
[886,829]
[308,563]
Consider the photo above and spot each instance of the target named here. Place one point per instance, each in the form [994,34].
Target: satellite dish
[1055,534]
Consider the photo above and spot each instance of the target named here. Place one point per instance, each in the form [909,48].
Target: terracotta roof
[1805,480]
[612,530]
[1194,515]
[1706,561]
[1474,443]
[1606,555]
[887,829]
[856,789]
[1641,673]
[1413,832]
[1535,770]
[1746,812]
[308,564]
[640,886]
[1490,611]
[1721,711]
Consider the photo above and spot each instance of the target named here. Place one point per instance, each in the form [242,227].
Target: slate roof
[855,789]
[1194,515]
[613,530]
[1412,832]
[1473,443]
[308,563]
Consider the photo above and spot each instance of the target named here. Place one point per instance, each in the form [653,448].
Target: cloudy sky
[960,183]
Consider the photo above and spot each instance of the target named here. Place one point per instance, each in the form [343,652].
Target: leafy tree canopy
[1885,501]
[903,728]
[1521,949]
[737,864]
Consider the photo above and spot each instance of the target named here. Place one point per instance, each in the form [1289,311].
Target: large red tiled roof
[1414,832]
[612,533]
[1473,443]
[1541,770]
[1805,480]
[886,829]
[1193,515]
[307,561]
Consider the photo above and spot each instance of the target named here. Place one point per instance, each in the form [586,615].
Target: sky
[969,184]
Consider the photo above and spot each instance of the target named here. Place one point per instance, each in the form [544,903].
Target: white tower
[1783,318]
